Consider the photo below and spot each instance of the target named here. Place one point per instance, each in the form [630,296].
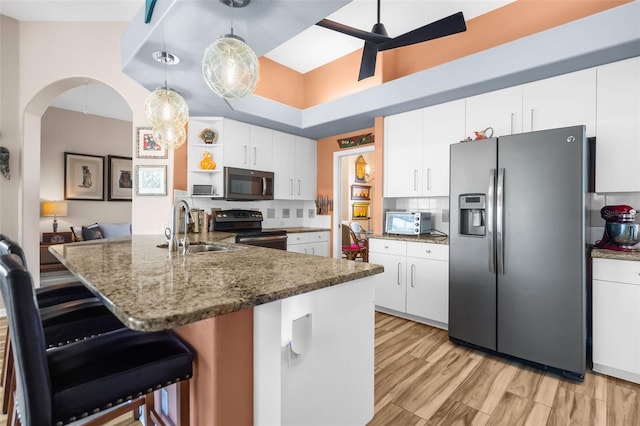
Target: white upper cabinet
[283,165]
[261,148]
[565,100]
[500,109]
[618,133]
[294,167]
[305,168]
[403,154]
[237,135]
[442,126]
[249,147]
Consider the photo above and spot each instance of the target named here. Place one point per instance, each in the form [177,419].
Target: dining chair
[353,247]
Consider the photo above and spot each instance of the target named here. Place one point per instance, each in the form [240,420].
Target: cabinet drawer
[388,246]
[298,238]
[428,251]
[314,237]
[623,271]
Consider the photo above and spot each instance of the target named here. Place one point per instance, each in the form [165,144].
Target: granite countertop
[615,254]
[424,238]
[148,288]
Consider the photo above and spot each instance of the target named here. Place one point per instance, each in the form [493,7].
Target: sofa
[98,231]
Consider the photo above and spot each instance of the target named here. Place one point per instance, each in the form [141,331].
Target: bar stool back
[78,380]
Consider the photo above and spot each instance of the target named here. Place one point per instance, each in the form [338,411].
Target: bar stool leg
[183,403]
[10,390]
[9,378]
[5,355]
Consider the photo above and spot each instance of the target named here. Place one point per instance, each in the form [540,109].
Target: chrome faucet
[172,237]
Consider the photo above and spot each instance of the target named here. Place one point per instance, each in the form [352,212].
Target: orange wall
[340,77]
[327,146]
[280,84]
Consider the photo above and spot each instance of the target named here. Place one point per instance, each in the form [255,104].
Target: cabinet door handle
[429,179]
[291,181]
[299,186]
[313,250]
[413,273]
[532,110]
[415,179]
[428,251]
[399,266]
[255,155]
[245,154]
[512,116]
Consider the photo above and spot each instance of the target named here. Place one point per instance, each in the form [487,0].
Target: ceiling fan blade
[446,26]
[354,32]
[368,62]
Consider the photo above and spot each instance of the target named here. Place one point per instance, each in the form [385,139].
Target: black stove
[247,225]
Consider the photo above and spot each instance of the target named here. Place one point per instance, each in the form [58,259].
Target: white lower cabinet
[315,243]
[616,318]
[415,279]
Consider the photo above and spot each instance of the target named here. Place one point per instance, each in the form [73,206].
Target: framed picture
[360,192]
[146,146]
[83,177]
[151,180]
[120,178]
[360,211]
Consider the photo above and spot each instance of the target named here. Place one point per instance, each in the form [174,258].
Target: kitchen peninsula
[281,337]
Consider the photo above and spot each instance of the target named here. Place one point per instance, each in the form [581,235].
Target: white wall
[70,131]
[51,58]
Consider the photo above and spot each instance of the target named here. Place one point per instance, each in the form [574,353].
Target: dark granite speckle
[149,288]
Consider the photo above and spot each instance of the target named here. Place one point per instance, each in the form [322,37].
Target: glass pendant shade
[166,108]
[169,136]
[230,68]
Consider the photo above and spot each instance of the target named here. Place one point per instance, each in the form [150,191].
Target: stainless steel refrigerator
[517,246]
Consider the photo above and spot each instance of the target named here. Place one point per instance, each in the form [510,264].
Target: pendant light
[229,66]
[166,110]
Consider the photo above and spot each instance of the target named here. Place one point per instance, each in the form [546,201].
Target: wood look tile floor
[423,379]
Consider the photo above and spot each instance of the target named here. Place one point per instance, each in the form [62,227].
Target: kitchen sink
[205,247]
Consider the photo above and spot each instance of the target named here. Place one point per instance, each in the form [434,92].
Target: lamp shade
[165,107]
[54,208]
[230,68]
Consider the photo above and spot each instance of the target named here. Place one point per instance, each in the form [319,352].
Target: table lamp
[55,209]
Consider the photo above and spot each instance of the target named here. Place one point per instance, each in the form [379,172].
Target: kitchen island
[281,337]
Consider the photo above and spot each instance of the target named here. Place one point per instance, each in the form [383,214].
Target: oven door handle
[270,238]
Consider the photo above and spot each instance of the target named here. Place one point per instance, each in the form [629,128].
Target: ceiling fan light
[169,136]
[230,68]
[165,107]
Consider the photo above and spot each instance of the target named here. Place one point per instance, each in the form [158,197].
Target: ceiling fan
[378,39]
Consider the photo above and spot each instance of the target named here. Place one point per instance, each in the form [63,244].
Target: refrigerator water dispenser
[473,214]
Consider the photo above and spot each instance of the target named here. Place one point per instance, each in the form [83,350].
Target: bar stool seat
[75,381]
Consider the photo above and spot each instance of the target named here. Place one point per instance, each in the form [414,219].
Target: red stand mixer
[621,228]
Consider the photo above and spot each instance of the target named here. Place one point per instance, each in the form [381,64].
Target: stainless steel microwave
[408,223]
[247,185]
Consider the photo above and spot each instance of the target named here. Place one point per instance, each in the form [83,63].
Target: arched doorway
[30,162]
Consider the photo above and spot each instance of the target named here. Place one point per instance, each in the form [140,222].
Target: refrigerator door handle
[490,219]
[500,221]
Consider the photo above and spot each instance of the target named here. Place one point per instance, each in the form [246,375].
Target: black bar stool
[77,317]
[81,379]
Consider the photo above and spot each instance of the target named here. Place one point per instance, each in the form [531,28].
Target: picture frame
[359,211]
[360,192]
[146,146]
[120,178]
[83,177]
[151,180]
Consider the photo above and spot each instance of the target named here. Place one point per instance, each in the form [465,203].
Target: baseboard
[615,372]
[415,318]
